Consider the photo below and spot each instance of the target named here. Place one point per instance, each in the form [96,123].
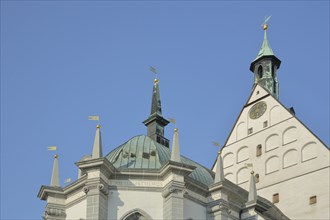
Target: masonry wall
[193,210]
[77,211]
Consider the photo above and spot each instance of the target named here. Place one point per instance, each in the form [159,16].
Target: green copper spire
[156,122]
[265,66]
[265,49]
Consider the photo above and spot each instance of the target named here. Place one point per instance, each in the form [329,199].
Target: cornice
[176,167]
[46,191]
[100,163]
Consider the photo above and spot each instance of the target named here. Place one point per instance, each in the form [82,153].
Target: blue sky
[62,61]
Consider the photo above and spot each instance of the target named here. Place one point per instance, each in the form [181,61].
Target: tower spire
[265,66]
[55,180]
[156,122]
[97,147]
[175,154]
[219,174]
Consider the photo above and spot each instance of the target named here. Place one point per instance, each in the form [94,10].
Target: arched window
[260,72]
[257,178]
[136,214]
[259,150]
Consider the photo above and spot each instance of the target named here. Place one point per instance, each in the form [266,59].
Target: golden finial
[156,81]
[219,152]
[176,130]
[252,172]
[265,27]
[56,156]
[264,24]
[98,126]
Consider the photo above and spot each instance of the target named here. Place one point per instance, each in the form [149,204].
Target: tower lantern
[265,66]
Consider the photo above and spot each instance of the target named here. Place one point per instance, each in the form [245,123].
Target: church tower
[156,122]
[265,67]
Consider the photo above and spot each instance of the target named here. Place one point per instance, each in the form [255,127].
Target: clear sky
[62,61]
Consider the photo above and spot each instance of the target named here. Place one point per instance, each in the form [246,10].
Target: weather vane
[152,69]
[217,144]
[250,165]
[264,24]
[173,121]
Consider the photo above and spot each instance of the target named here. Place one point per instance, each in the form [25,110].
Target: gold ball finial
[265,27]
[156,81]
[56,156]
[252,172]
[98,126]
[176,130]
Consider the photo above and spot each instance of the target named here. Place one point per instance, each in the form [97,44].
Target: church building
[270,167]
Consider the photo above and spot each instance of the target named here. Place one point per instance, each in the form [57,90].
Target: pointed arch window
[260,72]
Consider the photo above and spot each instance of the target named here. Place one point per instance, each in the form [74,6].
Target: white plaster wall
[274,114]
[122,201]
[193,210]
[296,154]
[77,211]
[294,195]
[257,94]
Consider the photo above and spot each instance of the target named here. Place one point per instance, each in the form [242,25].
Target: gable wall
[289,151]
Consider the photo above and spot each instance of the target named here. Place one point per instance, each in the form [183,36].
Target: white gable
[287,157]
[274,113]
[257,93]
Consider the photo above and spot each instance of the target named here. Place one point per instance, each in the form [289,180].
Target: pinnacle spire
[253,189]
[55,180]
[156,122]
[175,154]
[219,174]
[97,147]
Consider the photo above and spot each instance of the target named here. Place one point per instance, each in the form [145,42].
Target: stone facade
[271,167]
[103,192]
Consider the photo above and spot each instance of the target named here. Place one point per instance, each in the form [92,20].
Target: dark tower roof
[156,122]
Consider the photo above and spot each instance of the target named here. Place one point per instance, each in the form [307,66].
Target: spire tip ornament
[265,27]
[264,24]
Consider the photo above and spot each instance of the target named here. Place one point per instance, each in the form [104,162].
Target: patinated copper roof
[141,152]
